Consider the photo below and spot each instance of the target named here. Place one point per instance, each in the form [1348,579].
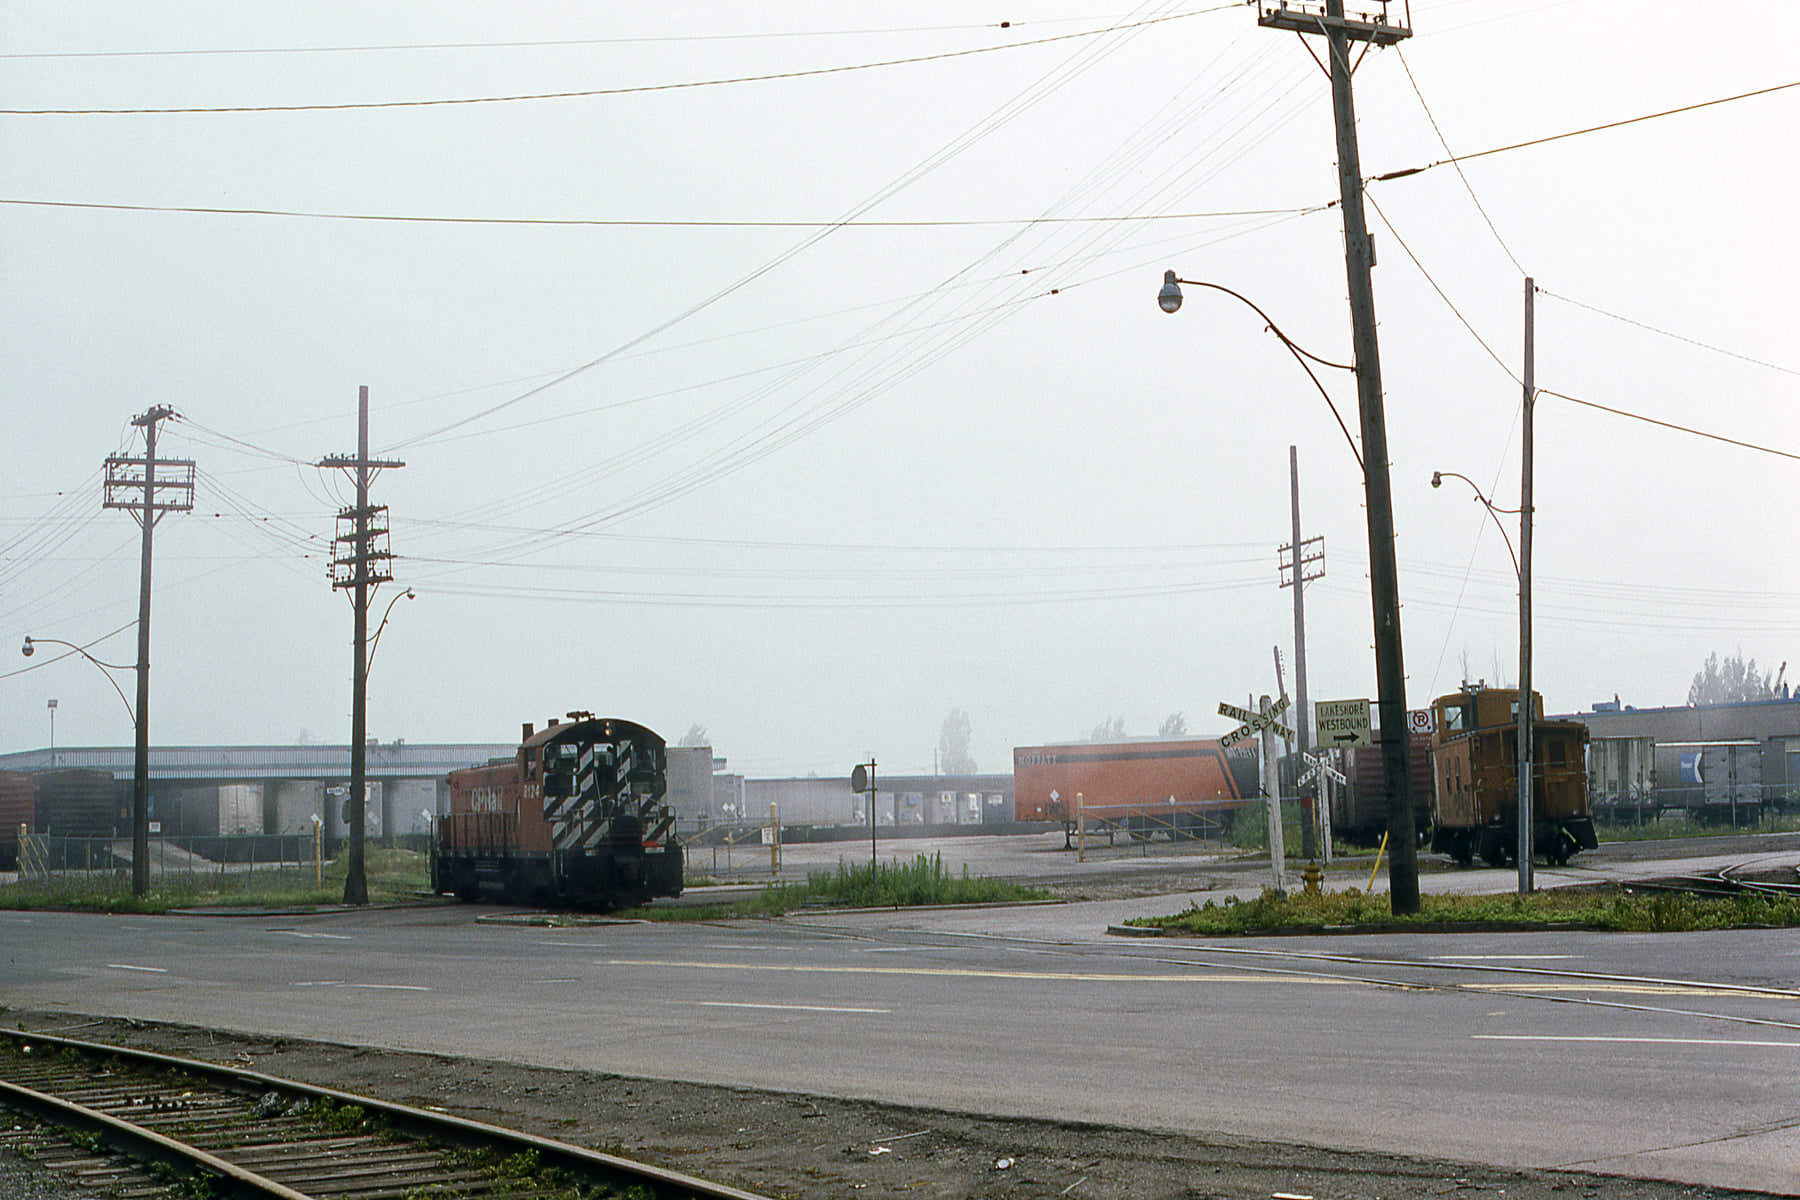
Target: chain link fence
[47,857]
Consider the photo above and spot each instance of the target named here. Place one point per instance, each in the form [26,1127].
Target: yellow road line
[970,973]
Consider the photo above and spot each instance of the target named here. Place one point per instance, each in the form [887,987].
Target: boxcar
[1359,810]
[1178,788]
[77,802]
[1622,779]
[575,818]
[1475,800]
[18,809]
[1715,782]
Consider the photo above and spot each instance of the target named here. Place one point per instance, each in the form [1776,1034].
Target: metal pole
[1384,585]
[1524,753]
[872,794]
[1308,813]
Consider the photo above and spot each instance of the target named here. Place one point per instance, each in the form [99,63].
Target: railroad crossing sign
[1343,723]
[1317,767]
[1254,723]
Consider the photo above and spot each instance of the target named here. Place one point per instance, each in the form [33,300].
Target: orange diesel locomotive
[575,817]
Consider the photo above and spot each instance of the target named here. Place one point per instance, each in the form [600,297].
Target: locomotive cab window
[1459,718]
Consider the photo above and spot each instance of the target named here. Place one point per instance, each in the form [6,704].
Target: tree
[953,745]
[1174,725]
[1733,681]
[696,736]
[1110,730]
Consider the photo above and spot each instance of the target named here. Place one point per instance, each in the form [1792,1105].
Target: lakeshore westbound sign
[1343,723]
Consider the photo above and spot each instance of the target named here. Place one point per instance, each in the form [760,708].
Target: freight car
[1359,810]
[18,808]
[77,802]
[1475,801]
[1718,783]
[1182,789]
[574,818]
[1622,779]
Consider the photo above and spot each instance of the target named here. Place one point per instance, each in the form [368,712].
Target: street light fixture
[140,822]
[1169,300]
[1493,510]
[1523,752]
[1403,878]
[106,668]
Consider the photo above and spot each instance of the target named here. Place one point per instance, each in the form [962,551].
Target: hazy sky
[809,408]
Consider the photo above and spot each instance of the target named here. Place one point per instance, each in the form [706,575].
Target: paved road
[1675,1057]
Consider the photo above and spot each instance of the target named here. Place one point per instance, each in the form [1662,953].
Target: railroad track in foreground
[142,1124]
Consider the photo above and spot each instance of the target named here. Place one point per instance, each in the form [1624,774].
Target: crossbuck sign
[1318,768]
[1254,723]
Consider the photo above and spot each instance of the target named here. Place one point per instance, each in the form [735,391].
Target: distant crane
[1775,687]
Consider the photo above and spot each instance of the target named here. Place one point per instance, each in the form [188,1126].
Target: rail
[252,1134]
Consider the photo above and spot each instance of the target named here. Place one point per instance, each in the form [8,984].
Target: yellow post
[774,841]
[1080,830]
[1378,854]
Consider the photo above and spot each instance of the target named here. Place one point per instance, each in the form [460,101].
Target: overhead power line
[1669,333]
[1445,143]
[1492,353]
[555,43]
[1716,437]
[654,223]
[1573,133]
[591,93]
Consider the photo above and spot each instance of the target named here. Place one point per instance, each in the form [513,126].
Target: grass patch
[390,874]
[1676,824]
[891,884]
[1607,909]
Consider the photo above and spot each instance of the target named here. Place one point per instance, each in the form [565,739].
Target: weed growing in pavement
[1606,909]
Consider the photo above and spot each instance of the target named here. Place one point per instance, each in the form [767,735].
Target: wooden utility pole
[154,496]
[360,563]
[1524,753]
[1304,555]
[1384,586]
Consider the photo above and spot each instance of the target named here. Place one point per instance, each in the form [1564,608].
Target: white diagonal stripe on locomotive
[588,767]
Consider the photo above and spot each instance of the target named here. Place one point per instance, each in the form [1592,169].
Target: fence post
[1080,830]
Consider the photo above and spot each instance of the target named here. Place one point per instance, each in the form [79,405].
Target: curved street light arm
[1273,328]
[375,641]
[1300,353]
[106,668]
[1493,512]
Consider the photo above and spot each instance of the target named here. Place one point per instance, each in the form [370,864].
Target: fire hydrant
[1313,877]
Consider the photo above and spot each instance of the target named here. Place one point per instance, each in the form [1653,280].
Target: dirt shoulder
[803,1147]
